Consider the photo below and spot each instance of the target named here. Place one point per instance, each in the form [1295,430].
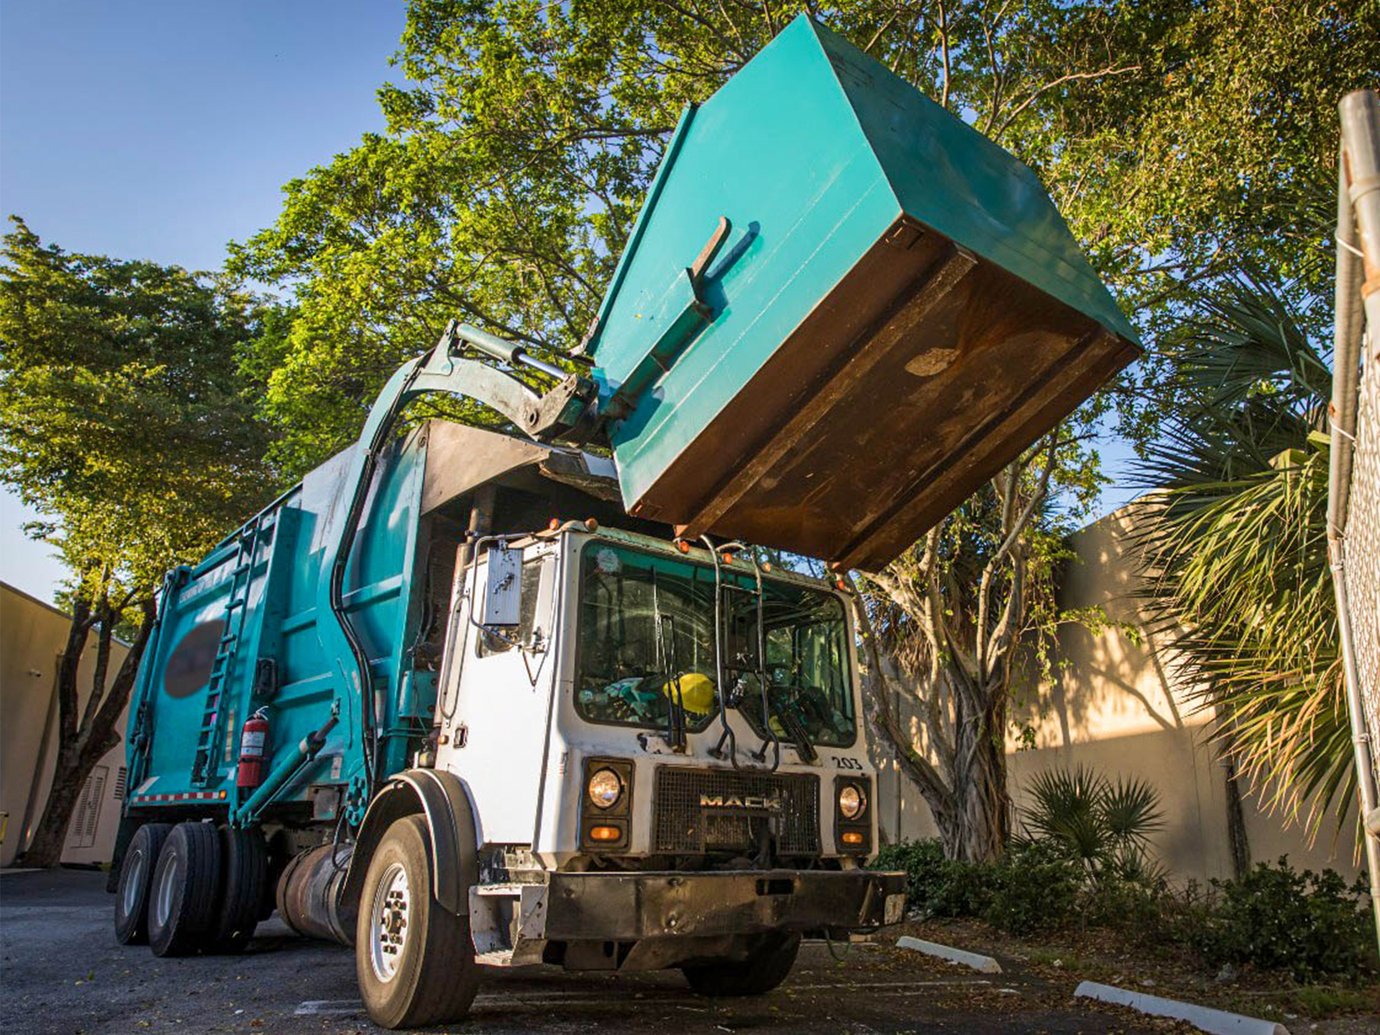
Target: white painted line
[1215,1022]
[982,964]
[328,1007]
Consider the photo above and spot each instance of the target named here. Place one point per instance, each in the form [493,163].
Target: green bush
[1276,918]
[937,886]
[1033,888]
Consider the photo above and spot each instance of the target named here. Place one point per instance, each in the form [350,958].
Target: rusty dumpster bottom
[637,921]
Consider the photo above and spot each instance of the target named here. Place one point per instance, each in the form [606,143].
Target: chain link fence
[1363,546]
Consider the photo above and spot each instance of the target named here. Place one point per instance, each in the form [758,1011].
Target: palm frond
[1235,549]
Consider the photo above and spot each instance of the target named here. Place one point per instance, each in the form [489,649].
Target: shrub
[1276,918]
[1106,826]
[937,886]
[1034,887]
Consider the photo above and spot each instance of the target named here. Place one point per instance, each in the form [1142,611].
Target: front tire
[767,966]
[413,957]
[186,887]
[136,878]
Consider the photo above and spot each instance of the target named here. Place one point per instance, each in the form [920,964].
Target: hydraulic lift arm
[563,412]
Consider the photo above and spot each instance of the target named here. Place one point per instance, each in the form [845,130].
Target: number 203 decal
[846,763]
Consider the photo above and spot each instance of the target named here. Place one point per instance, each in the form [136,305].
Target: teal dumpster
[841,310]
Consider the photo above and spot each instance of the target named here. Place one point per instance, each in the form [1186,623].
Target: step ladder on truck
[460,734]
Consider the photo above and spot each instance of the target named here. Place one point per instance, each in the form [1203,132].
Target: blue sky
[162,130]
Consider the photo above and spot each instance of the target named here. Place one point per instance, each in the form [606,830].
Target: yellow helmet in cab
[696,692]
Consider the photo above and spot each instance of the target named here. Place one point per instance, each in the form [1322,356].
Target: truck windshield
[646,631]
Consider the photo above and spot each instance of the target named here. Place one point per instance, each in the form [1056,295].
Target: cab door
[495,704]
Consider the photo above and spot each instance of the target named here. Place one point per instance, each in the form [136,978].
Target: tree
[519,147]
[1235,544]
[125,422]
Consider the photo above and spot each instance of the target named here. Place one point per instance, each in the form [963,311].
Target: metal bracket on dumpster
[694,315]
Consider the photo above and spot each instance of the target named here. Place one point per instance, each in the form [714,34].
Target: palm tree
[1235,545]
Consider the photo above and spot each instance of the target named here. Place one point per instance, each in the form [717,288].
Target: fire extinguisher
[253,750]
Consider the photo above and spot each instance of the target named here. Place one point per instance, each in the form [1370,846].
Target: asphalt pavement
[62,972]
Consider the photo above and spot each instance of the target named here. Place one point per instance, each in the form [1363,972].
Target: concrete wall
[1117,706]
[32,635]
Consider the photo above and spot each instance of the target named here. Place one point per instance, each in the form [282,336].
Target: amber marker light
[766,566]
[728,558]
[850,837]
[591,524]
[553,524]
[613,834]
[682,546]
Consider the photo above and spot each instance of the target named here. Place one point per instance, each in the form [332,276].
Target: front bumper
[633,906]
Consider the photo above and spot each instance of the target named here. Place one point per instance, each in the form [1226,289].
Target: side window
[488,643]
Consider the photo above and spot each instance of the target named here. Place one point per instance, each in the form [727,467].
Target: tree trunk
[974,821]
[84,742]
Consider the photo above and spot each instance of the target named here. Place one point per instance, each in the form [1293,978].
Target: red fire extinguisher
[253,750]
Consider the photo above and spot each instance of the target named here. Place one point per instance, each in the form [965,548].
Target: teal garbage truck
[467,698]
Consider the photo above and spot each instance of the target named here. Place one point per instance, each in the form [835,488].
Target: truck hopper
[841,311]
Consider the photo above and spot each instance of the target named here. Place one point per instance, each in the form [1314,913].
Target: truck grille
[710,810]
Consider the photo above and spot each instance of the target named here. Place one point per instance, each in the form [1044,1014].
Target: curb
[1215,1022]
[980,963]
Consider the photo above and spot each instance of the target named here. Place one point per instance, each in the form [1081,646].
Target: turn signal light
[682,546]
[610,834]
[850,837]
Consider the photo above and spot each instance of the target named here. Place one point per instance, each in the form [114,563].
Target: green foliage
[1276,918]
[124,419]
[521,137]
[1105,825]
[1235,545]
[1273,918]
[1032,887]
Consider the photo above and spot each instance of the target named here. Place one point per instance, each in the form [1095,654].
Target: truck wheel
[136,877]
[765,968]
[186,884]
[246,873]
[414,958]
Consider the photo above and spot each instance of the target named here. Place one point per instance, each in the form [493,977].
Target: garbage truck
[469,698]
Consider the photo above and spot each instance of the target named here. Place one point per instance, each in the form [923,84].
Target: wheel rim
[167,883]
[388,922]
[134,881]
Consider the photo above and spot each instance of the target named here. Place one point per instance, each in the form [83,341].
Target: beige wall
[1117,706]
[32,635]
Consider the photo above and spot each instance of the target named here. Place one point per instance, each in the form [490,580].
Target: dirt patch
[1054,964]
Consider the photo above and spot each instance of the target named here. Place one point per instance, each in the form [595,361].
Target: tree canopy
[1174,135]
[125,421]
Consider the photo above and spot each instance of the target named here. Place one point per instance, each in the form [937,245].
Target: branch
[1071,77]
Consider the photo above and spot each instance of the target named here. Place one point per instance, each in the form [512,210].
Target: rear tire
[413,957]
[136,878]
[186,887]
[246,874]
[766,967]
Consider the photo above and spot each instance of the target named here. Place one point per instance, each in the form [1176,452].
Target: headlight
[852,801]
[605,788]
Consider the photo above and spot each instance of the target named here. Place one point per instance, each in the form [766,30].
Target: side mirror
[502,603]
